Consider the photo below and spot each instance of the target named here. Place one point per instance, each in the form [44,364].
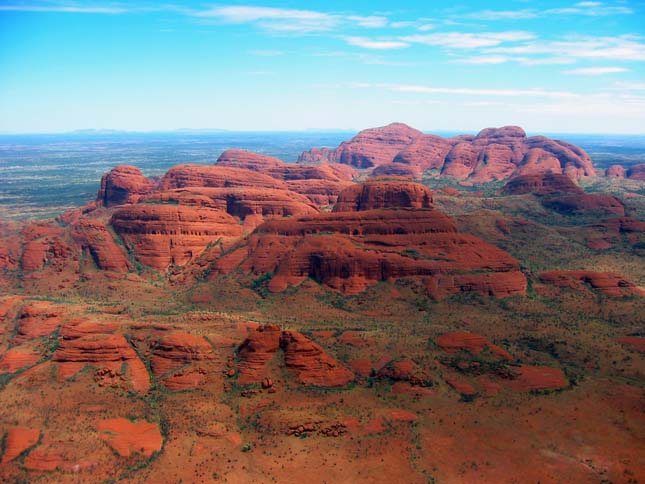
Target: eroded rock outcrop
[348,251]
[176,358]
[605,282]
[127,437]
[471,342]
[257,350]
[164,235]
[310,364]
[94,237]
[615,171]
[122,185]
[182,176]
[18,440]
[110,351]
[382,194]
[636,172]
[541,184]
[493,154]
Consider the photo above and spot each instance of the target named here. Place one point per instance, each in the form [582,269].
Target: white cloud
[589,9]
[503,14]
[463,40]
[502,59]
[625,47]
[375,44]
[466,91]
[62,9]
[278,19]
[596,71]
[372,21]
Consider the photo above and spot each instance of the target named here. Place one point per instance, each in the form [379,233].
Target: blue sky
[548,66]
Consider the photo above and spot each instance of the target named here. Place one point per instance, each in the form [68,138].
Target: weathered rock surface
[382,194]
[615,171]
[165,235]
[471,342]
[122,185]
[175,350]
[182,176]
[585,204]
[36,319]
[255,353]
[310,364]
[605,282]
[128,438]
[18,440]
[109,351]
[541,184]
[636,172]
[94,237]
[493,154]
[241,202]
[535,378]
[348,251]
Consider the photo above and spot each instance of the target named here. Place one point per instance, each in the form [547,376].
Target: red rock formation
[94,237]
[182,176]
[17,358]
[43,244]
[369,148]
[121,185]
[532,378]
[585,204]
[636,172]
[175,350]
[404,370]
[615,171]
[605,282]
[494,154]
[109,351]
[311,364]
[18,440]
[241,202]
[320,192]
[36,319]
[541,184]
[460,385]
[471,342]
[284,171]
[636,343]
[351,250]
[381,194]
[255,353]
[165,235]
[128,438]
[397,170]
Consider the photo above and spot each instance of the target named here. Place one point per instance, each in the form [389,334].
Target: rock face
[585,204]
[541,184]
[494,154]
[175,358]
[109,351]
[605,282]
[276,168]
[241,202]
[375,195]
[94,237]
[165,235]
[36,319]
[349,251]
[471,342]
[536,378]
[615,171]
[121,185]
[182,176]
[128,438]
[18,440]
[636,172]
[309,362]
[255,353]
